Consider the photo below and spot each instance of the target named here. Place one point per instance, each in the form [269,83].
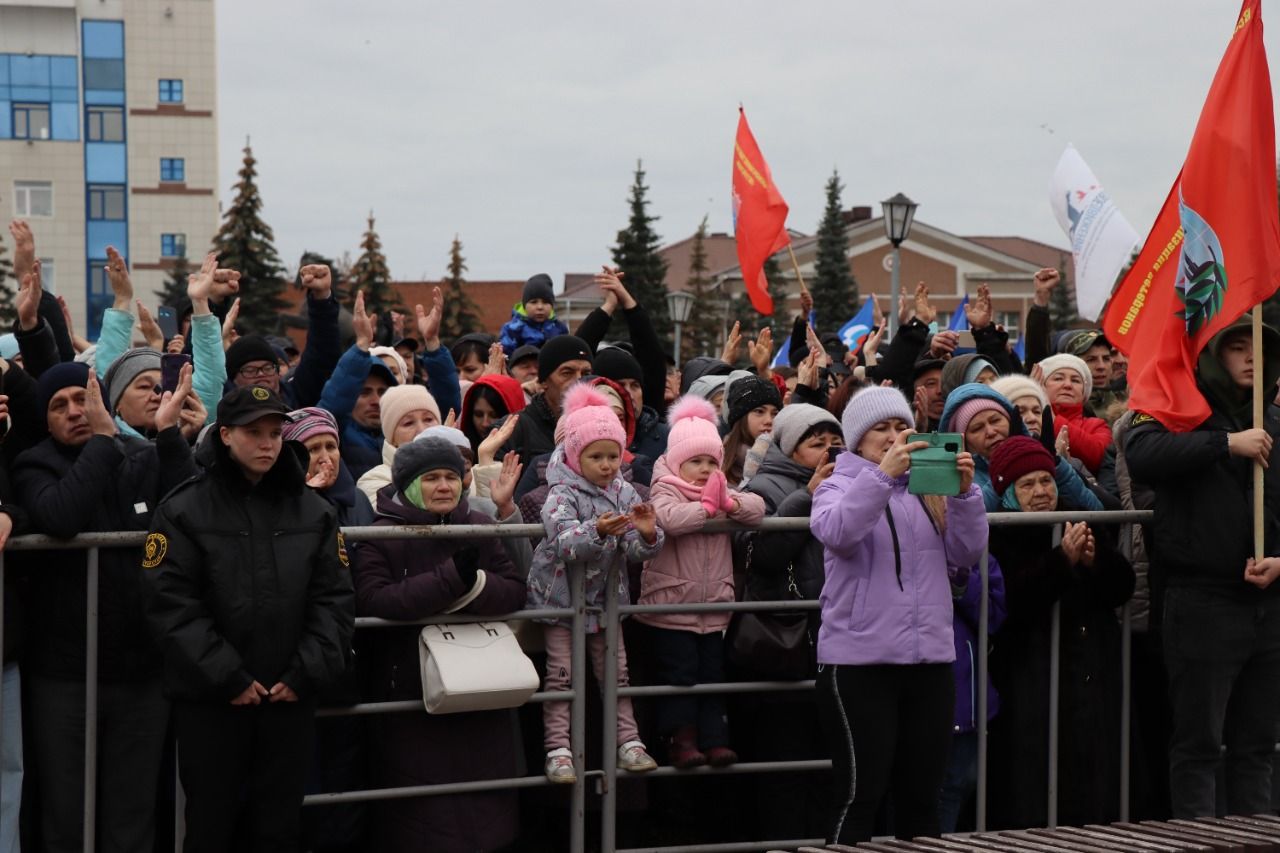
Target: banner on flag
[854,332]
[1102,240]
[759,215]
[1214,251]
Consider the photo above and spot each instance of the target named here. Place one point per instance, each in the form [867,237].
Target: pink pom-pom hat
[588,418]
[693,432]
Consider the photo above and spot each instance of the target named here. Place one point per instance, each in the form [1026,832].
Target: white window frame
[22,194]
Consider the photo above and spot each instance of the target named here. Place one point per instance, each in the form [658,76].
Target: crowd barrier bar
[608,775]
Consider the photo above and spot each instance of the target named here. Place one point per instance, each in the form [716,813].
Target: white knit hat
[1015,385]
[1054,363]
[869,407]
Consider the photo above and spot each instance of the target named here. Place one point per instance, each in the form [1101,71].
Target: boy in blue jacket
[533,321]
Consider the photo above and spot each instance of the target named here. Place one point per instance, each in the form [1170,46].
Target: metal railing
[612,612]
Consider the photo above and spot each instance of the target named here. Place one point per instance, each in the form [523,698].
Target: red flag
[1214,251]
[759,215]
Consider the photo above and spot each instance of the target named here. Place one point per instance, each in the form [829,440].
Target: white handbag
[473,667]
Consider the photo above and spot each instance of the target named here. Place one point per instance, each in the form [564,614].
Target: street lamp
[679,304]
[899,213]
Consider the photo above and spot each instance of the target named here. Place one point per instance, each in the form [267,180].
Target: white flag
[1102,240]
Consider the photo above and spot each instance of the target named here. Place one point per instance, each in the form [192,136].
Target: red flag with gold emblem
[759,215]
[1214,251]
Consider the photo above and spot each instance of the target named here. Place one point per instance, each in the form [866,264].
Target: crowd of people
[243,457]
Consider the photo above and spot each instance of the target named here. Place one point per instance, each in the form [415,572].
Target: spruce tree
[245,243]
[173,291]
[1062,302]
[835,293]
[8,291]
[636,255]
[702,332]
[461,315]
[370,275]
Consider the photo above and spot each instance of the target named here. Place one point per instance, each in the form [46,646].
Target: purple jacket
[887,601]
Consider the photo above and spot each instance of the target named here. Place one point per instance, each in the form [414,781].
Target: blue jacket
[1070,486]
[361,446]
[520,330]
[967,604]
[442,380]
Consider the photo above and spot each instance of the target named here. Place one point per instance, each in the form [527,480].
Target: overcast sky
[518,125]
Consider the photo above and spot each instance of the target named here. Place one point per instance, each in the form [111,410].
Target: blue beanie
[67,374]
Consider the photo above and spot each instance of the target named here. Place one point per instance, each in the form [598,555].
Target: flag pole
[1258,423]
[795,265]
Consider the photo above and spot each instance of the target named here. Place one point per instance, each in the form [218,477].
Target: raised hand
[118,278]
[871,346]
[24,248]
[363,323]
[429,321]
[317,279]
[897,460]
[503,488]
[806,302]
[95,411]
[175,345]
[226,283]
[149,327]
[732,344]
[171,402]
[807,370]
[229,333]
[920,406]
[497,363]
[943,344]
[200,283]
[760,351]
[494,441]
[193,417]
[397,326]
[966,466]
[821,473]
[28,301]
[925,311]
[451,419]
[1062,444]
[1044,281]
[609,280]
[978,310]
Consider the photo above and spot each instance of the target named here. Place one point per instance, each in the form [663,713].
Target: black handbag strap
[897,547]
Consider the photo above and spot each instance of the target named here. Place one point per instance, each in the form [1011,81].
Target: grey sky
[517,125]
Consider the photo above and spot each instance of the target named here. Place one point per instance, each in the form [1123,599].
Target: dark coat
[248,582]
[535,432]
[414,579]
[967,618]
[1037,575]
[103,485]
[784,485]
[651,439]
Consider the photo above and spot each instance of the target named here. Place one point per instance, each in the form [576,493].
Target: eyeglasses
[251,372]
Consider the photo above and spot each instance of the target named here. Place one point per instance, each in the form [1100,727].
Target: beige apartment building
[108,137]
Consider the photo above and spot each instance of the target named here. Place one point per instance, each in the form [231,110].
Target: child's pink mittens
[715,493]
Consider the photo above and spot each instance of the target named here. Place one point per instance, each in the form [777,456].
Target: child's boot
[682,751]
[721,756]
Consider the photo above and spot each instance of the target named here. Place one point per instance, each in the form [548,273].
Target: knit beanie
[747,393]
[246,349]
[1014,386]
[794,421]
[1062,360]
[962,370]
[588,418]
[66,374]
[693,432]
[417,457]
[557,351]
[396,358]
[616,364]
[401,400]
[453,435]
[707,386]
[307,423]
[538,287]
[1015,457]
[125,369]
[869,407]
[970,409]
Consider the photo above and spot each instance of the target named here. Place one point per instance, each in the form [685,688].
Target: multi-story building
[108,137]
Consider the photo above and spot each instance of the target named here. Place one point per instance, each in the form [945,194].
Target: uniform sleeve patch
[1142,418]
[154,550]
[342,551]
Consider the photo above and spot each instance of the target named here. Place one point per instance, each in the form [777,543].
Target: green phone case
[933,468]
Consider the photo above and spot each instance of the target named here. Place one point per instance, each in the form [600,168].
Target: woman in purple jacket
[885,686]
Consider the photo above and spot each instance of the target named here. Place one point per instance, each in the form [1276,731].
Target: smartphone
[833,453]
[933,468]
[966,341]
[170,366]
[167,320]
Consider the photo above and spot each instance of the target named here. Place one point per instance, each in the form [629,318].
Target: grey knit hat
[126,368]
[791,424]
[421,455]
[869,407]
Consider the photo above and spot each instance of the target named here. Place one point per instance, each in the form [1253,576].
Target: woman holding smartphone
[885,688]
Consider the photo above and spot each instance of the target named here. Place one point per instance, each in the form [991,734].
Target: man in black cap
[250,597]
[523,363]
[562,361]
[87,477]
[533,319]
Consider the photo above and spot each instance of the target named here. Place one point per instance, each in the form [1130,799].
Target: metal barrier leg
[2,744]
[91,705]
[1126,699]
[984,624]
[179,806]
[1055,670]
[609,691]
[578,712]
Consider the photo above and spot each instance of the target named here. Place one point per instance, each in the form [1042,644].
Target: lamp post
[899,213]
[679,304]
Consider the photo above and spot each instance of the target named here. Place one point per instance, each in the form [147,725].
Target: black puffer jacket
[248,582]
[784,485]
[105,484]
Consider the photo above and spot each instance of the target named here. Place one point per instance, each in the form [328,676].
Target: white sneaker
[559,767]
[633,757]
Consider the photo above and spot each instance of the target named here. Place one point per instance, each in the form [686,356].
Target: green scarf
[414,494]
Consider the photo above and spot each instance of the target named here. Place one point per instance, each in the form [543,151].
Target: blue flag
[1020,348]
[856,330]
[959,320]
[781,360]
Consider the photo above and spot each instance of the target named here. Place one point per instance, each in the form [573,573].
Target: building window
[32,198]
[106,202]
[104,124]
[1011,320]
[170,91]
[173,169]
[30,120]
[173,245]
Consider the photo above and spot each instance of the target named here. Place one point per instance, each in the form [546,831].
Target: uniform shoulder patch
[342,551]
[154,550]
[1142,418]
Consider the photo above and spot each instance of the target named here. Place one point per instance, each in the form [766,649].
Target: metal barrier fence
[607,775]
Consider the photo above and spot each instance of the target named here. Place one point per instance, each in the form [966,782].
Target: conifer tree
[743,312]
[245,243]
[702,331]
[370,275]
[461,315]
[636,255]
[8,290]
[1062,301]
[835,292]
[173,291]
